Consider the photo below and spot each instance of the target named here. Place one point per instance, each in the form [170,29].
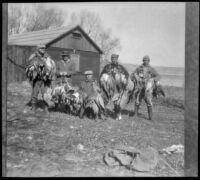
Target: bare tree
[14,15]
[92,24]
[32,17]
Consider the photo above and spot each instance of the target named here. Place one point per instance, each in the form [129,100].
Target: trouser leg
[148,100]
[139,96]
[82,112]
[117,110]
[150,112]
[43,91]
[35,91]
[30,103]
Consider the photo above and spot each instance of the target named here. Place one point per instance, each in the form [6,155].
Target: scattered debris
[173,149]
[80,147]
[71,127]
[132,158]
[29,138]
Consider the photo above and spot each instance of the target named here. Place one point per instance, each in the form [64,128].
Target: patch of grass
[33,136]
[174,97]
[171,102]
[174,92]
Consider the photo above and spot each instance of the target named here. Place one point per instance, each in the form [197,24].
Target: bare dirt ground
[57,144]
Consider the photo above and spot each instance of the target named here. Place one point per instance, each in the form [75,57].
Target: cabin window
[75,58]
[76,35]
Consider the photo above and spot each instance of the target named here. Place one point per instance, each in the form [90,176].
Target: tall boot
[150,112]
[81,113]
[136,110]
[46,106]
[34,106]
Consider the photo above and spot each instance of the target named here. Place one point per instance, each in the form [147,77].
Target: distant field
[172,80]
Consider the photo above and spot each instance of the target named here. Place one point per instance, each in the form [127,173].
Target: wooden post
[191,88]
[4,84]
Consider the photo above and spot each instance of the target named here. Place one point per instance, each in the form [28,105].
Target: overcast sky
[156,29]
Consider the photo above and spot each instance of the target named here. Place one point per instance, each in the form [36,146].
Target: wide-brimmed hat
[115,56]
[89,72]
[65,53]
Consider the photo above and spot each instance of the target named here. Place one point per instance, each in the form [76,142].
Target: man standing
[39,74]
[65,68]
[115,66]
[144,78]
[113,82]
[91,90]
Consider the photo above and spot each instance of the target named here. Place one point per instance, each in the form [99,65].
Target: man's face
[114,60]
[89,76]
[145,62]
[42,50]
[66,58]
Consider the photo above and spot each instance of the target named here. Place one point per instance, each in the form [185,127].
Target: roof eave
[71,30]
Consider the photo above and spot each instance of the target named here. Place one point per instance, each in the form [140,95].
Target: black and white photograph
[98,89]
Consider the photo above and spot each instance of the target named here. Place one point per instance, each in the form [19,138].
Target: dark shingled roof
[45,37]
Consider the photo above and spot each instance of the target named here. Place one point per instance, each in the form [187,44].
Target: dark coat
[147,71]
[37,68]
[109,68]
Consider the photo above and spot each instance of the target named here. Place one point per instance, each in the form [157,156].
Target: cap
[114,56]
[88,72]
[146,58]
[65,53]
[40,46]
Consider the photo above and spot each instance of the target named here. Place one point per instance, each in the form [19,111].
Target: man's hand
[32,68]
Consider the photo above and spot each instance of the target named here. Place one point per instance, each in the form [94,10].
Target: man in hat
[86,85]
[38,84]
[65,68]
[114,66]
[140,76]
[40,52]
[90,89]
[113,82]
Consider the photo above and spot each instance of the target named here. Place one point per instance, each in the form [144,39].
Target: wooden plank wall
[88,61]
[20,55]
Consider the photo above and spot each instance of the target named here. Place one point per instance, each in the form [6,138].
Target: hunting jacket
[111,67]
[46,74]
[145,72]
[38,55]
